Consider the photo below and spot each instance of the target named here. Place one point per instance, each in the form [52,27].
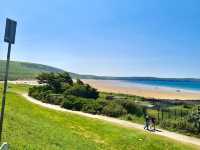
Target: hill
[24,70]
[29,126]
[28,71]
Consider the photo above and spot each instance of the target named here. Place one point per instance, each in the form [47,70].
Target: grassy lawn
[28,126]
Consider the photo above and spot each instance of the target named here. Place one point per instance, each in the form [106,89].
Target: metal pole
[158,110]
[4,90]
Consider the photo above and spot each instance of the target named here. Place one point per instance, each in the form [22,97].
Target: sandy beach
[154,92]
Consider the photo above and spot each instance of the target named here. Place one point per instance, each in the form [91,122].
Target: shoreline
[143,91]
[163,88]
[154,92]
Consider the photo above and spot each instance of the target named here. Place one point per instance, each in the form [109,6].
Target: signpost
[9,37]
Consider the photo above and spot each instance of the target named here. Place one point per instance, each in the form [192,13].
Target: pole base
[4,146]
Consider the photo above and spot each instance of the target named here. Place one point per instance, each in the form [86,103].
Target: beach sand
[154,92]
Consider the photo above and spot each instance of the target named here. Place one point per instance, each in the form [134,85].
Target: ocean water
[177,85]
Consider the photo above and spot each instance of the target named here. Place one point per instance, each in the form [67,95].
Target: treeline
[60,89]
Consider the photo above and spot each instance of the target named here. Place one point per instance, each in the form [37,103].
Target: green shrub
[114,110]
[61,83]
[131,107]
[84,91]
[94,107]
[77,103]
[129,117]
[177,125]
[73,102]
[55,81]
[187,106]
[194,119]
[54,98]
[169,124]
[38,92]
[45,95]
[78,81]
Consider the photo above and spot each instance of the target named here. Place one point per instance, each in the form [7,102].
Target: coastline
[143,91]
[152,92]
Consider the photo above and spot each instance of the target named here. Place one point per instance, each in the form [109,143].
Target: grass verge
[31,127]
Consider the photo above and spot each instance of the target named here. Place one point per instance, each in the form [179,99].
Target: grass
[31,127]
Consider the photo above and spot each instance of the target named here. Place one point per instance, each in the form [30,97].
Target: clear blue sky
[107,37]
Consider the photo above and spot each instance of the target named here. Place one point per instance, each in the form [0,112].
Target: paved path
[172,135]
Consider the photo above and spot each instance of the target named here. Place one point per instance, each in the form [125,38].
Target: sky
[107,37]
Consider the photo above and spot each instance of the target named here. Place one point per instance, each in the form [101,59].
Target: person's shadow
[152,130]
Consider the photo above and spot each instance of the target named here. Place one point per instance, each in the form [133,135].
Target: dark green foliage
[74,97]
[61,82]
[45,94]
[56,82]
[114,110]
[78,81]
[129,117]
[180,125]
[94,107]
[82,104]
[187,106]
[56,99]
[59,89]
[73,103]
[39,92]
[131,107]
[80,90]
[194,118]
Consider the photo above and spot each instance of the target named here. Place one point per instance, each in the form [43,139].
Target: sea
[179,85]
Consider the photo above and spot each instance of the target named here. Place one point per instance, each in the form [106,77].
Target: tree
[44,78]
[84,91]
[65,78]
[55,81]
[78,81]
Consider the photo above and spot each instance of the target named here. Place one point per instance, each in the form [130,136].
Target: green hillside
[28,71]
[24,70]
[31,127]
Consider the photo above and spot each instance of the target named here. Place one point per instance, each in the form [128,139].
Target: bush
[114,110]
[39,92]
[56,99]
[129,117]
[73,102]
[84,91]
[61,83]
[77,103]
[45,95]
[55,81]
[92,107]
[194,119]
[177,125]
[131,107]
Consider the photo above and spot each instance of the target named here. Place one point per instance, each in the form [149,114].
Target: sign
[10,39]
[10,31]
